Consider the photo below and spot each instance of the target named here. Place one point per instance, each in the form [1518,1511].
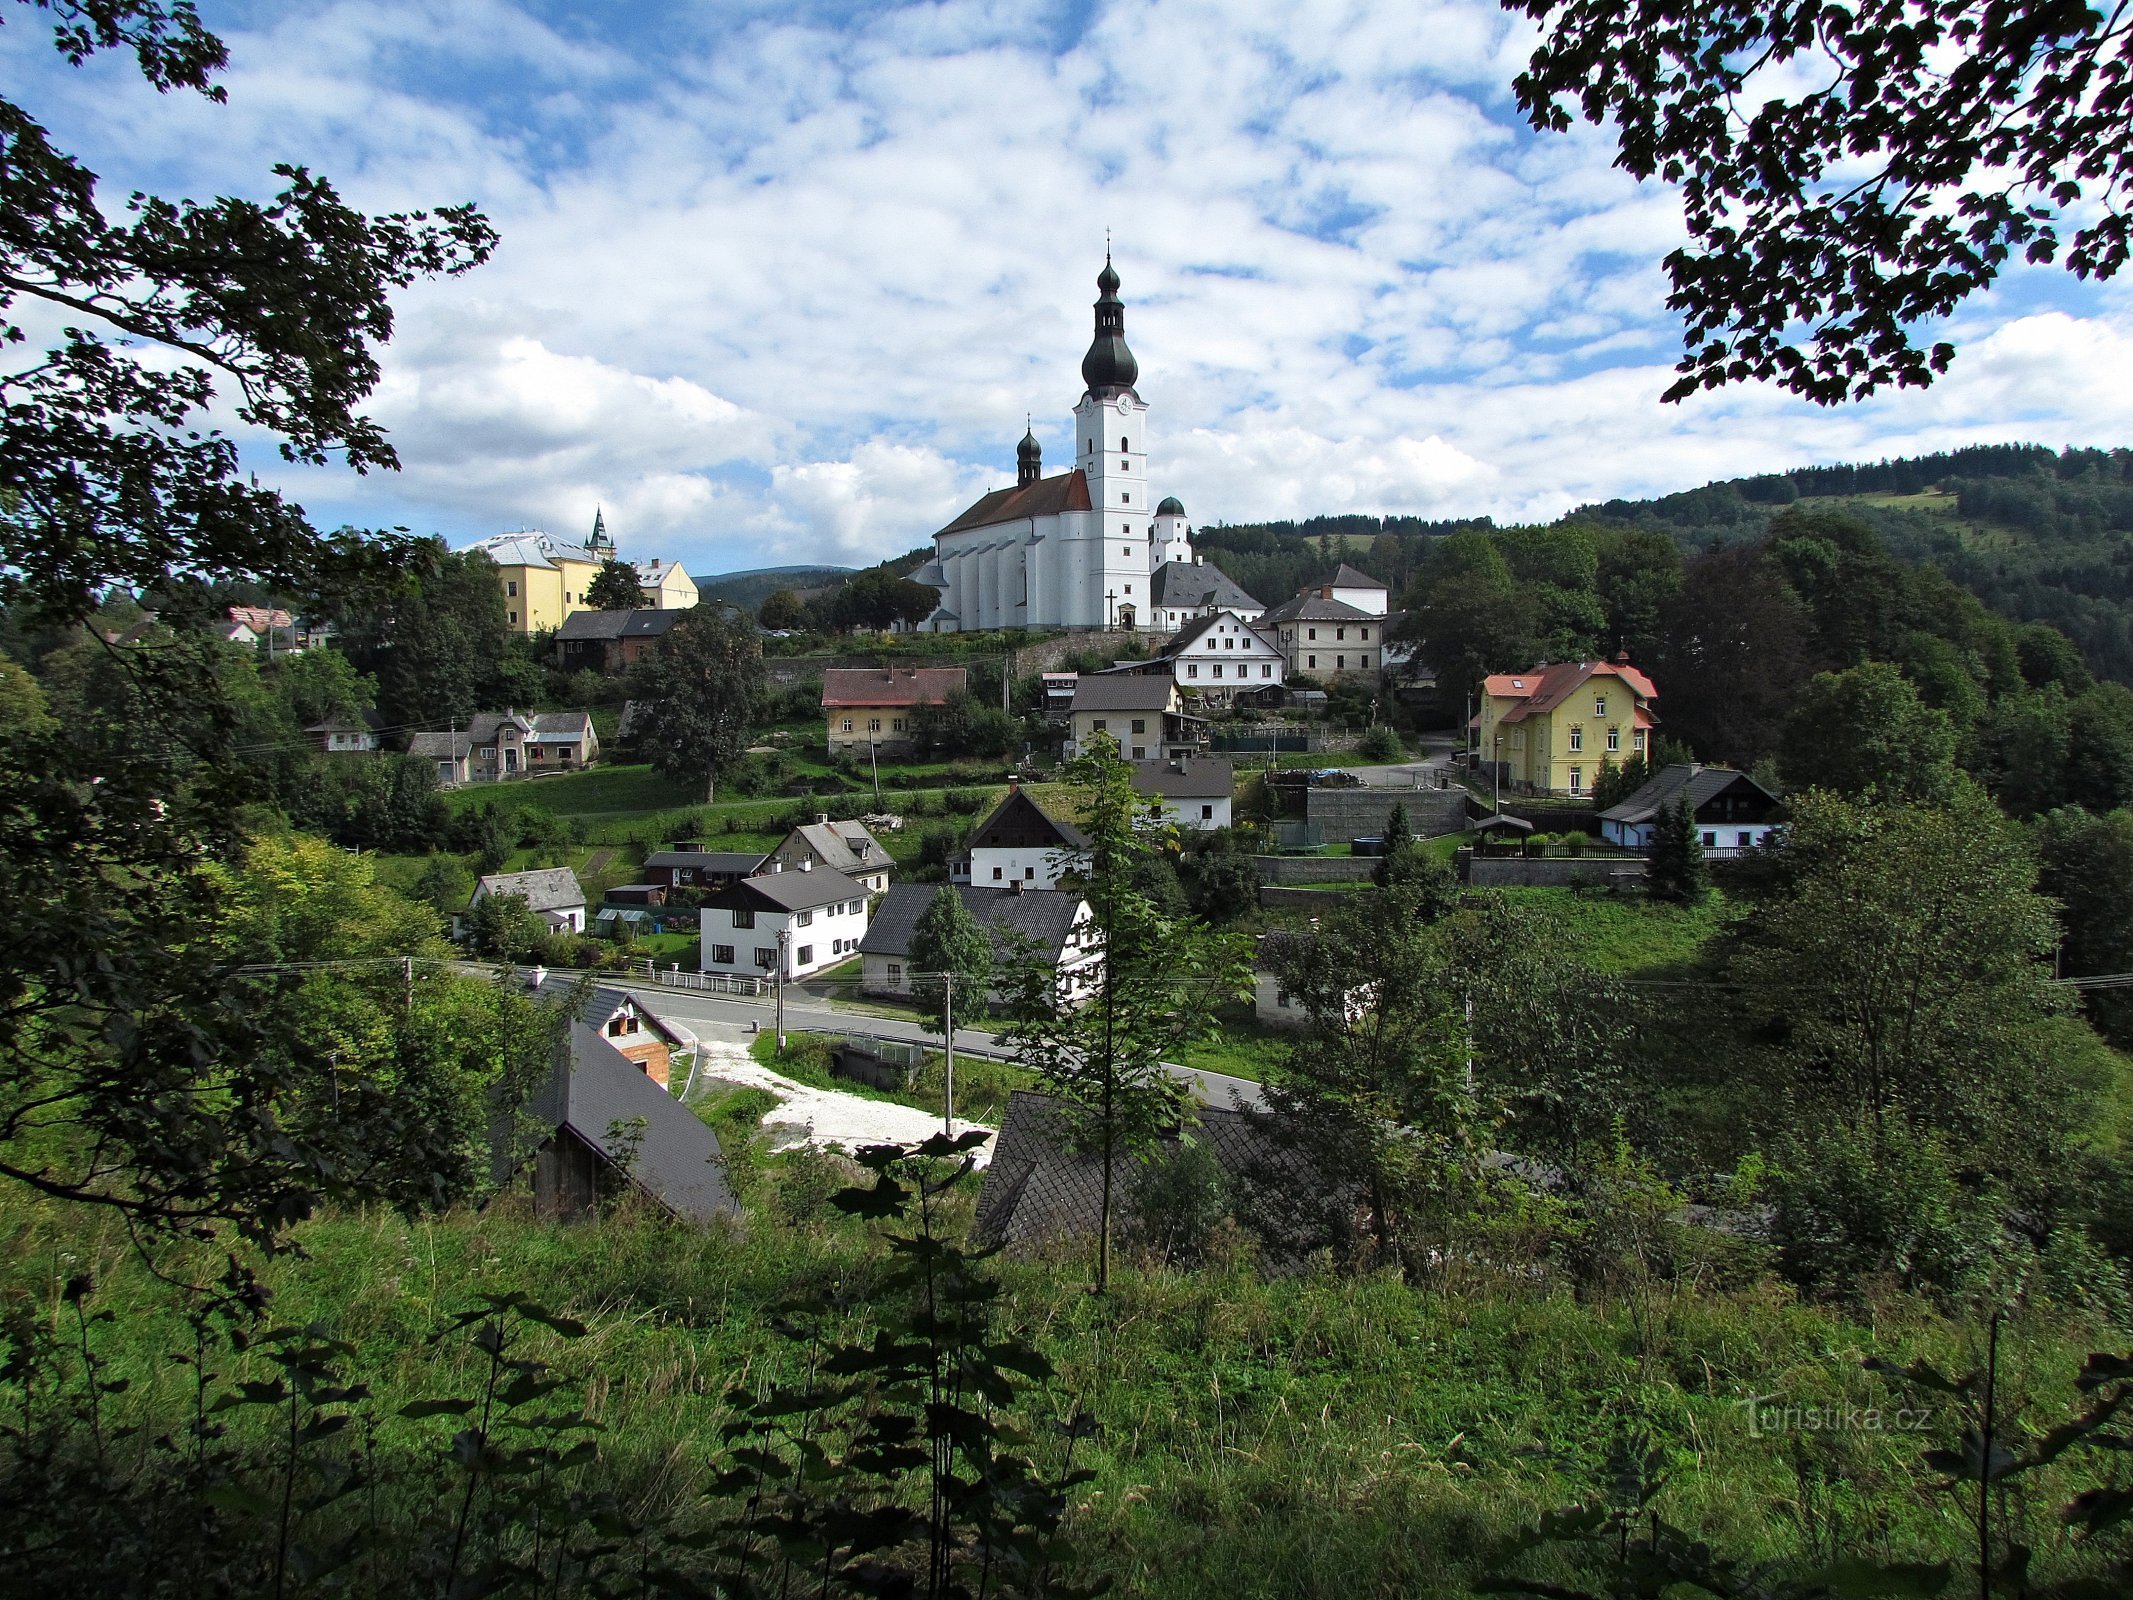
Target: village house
[845,847]
[872,708]
[357,735]
[816,916]
[552,892]
[688,864]
[1549,729]
[1053,927]
[1183,590]
[1731,812]
[610,641]
[666,587]
[1197,794]
[1141,710]
[1020,843]
[1333,630]
[498,746]
[615,1015]
[1222,658]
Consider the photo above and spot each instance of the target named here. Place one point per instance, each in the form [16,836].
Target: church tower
[1111,449]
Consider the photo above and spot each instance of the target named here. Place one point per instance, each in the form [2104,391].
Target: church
[1086,548]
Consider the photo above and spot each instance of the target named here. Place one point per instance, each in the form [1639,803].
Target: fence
[706,982]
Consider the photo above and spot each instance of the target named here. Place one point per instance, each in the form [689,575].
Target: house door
[1125,616]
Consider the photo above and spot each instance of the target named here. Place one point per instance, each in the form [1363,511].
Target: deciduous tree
[951,957]
[699,690]
[1864,731]
[614,587]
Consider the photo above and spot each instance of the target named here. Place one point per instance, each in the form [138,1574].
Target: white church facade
[1087,548]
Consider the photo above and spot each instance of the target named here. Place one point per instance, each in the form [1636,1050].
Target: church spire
[1029,457]
[1109,366]
[599,535]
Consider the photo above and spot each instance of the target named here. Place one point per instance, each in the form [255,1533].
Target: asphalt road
[691,1008]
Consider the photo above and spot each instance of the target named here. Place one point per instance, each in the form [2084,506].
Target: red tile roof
[1548,686]
[901,686]
[1067,492]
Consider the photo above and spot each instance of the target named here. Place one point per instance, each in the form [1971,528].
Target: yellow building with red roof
[1553,727]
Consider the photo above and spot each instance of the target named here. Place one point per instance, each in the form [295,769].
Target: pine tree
[1678,869]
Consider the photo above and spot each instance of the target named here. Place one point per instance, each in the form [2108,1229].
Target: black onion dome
[1029,449]
[1172,506]
[1109,366]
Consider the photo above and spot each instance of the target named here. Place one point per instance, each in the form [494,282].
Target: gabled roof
[737,862]
[1192,585]
[789,891]
[1013,919]
[1067,492]
[1123,692]
[532,548]
[1317,608]
[1547,686]
[361,722]
[1185,780]
[440,746]
[1666,787]
[599,1096]
[1019,823]
[891,686]
[1190,634]
[639,623]
[1346,577]
[847,846]
[260,618]
[547,889]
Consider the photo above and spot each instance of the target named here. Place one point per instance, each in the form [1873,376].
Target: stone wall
[1316,901]
[1314,869]
[1363,813]
[1548,872]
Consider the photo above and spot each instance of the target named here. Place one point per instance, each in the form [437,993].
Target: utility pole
[784,945]
[874,760]
[948,1040]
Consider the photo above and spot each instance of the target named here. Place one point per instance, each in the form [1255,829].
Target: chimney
[822,819]
[807,863]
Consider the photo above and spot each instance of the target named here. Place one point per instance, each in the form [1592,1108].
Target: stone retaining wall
[1363,813]
[1549,872]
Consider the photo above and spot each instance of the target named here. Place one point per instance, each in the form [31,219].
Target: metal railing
[706,982]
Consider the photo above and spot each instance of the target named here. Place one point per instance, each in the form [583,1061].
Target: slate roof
[1123,692]
[583,627]
[533,548]
[739,862]
[597,1093]
[1664,790]
[1317,608]
[1019,823]
[790,891]
[1188,635]
[1346,577]
[1067,492]
[1191,585]
[1014,919]
[362,722]
[846,846]
[548,889]
[260,618]
[440,746]
[483,726]
[1034,1191]
[1185,780]
[882,686]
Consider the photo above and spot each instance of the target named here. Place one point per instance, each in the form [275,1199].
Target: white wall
[996,866]
[829,936]
[1206,812]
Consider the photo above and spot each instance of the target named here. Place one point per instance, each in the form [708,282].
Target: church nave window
[1122,443]
[1124,498]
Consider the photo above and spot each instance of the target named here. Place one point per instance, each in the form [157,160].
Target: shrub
[1380,744]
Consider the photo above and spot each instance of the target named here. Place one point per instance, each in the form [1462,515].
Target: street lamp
[784,947]
[1496,766]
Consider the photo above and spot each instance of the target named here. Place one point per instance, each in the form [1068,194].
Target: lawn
[981,1086]
[1628,934]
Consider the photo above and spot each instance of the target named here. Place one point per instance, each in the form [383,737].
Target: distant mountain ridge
[751,588]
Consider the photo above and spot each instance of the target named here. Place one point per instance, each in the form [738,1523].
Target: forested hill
[2039,535]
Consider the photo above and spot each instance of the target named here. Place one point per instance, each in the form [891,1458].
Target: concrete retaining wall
[1361,813]
[1548,872]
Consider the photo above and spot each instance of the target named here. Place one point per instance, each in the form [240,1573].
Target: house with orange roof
[876,708]
[1553,727]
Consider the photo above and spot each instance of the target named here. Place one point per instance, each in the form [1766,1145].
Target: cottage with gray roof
[552,892]
[499,745]
[1052,926]
[847,847]
[611,641]
[1732,813]
[1139,710]
[779,923]
[1190,793]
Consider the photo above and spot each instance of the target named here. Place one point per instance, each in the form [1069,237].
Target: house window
[1340,633]
[1577,780]
[804,955]
[1637,741]
[1743,839]
[1029,874]
[1100,725]
[514,619]
[1266,669]
[873,724]
[1207,813]
[1710,841]
[997,874]
[722,955]
[805,919]
[1125,549]
[1364,635]
[1599,705]
[1140,724]
[1313,633]
[744,919]
[1340,663]
[897,725]
[511,587]
[1124,498]
[1192,669]
[1313,662]
[847,726]
[1577,738]
[766,956]
[1217,670]
[1614,738]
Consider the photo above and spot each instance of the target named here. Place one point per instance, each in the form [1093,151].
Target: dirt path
[825,1117]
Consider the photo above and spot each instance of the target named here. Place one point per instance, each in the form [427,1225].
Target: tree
[699,689]
[614,587]
[322,685]
[782,611]
[949,940]
[434,646]
[875,600]
[1638,576]
[1467,614]
[138,1071]
[1929,145]
[2099,759]
[1677,870]
[2085,863]
[1865,731]
[1157,988]
[1612,784]
[504,928]
[1737,649]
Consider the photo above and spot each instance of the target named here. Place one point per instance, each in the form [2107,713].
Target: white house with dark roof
[1732,813]
[1199,794]
[1222,656]
[553,892]
[845,847]
[1090,547]
[1141,710]
[815,917]
[1021,843]
[1051,926]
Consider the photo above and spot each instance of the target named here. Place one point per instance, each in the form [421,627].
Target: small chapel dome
[1171,507]
[1029,449]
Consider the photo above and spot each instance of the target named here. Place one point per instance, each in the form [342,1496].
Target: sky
[779,283]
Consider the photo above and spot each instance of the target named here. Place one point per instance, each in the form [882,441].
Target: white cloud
[775,289]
